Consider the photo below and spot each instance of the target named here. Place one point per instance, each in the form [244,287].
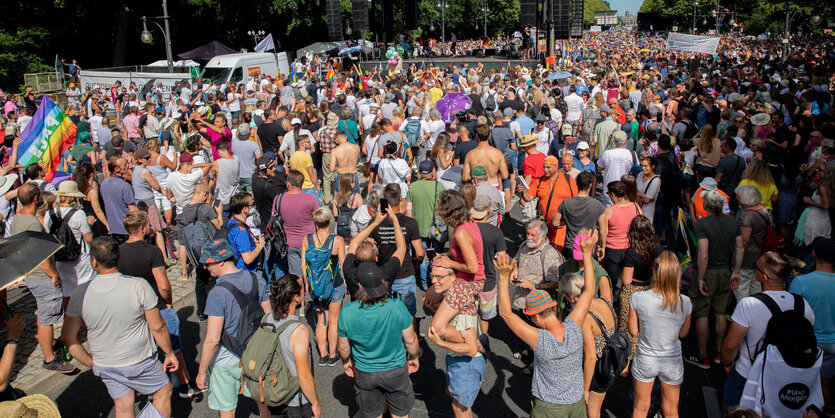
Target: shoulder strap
[568,183]
[240,298]
[649,183]
[197,213]
[770,303]
[329,242]
[799,305]
[276,203]
[551,196]
[599,325]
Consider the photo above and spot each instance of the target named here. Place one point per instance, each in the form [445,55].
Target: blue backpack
[412,130]
[321,271]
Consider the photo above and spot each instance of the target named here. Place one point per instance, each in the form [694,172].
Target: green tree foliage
[592,6]
[19,54]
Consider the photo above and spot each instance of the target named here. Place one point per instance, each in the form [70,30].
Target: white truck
[241,66]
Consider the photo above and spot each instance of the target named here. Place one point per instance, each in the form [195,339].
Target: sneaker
[698,361]
[332,361]
[323,361]
[59,365]
[717,358]
[186,392]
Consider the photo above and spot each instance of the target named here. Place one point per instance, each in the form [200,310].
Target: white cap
[296,121]
[582,145]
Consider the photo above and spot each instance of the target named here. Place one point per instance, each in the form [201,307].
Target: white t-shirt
[575,105]
[182,186]
[235,105]
[650,189]
[78,224]
[395,171]
[615,162]
[754,315]
[659,328]
[289,141]
[434,127]
[544,138]
[372,149]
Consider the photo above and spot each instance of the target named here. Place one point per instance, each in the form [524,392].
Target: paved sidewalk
[28,374]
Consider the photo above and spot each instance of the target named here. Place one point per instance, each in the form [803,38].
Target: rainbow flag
[331,75]
[46,138]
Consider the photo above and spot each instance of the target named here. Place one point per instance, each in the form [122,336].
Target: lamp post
[443,5]
[485,9]
[695,4]
[255,34]
[147,37]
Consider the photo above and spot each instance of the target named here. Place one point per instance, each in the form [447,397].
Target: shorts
[405,290]
[294,261]
[828,365]
[245,184]
[393,386]
[669,370]
[540,409]
[718,282]
[154,218]
[487,304]
[161,201]
[145,377]
[464,375]
[172,322]
[463,294]
[48,300]
[224,384]
[338,294]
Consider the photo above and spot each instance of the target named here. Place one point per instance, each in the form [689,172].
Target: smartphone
[384,205]
[658,117]
[430,253]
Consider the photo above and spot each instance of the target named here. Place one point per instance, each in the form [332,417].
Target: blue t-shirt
[526,125]
[590,167]
[818,288]
[117,195]
[241,241]
[376,334]
[220,302]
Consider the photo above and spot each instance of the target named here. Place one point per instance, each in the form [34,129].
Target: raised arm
[581,308]
[522,329]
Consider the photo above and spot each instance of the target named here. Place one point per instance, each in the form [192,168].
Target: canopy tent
[322,48]
[206,52]
[177,64]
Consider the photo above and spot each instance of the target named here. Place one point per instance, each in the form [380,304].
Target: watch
[537,286]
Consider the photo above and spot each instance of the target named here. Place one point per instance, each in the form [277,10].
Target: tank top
[160,172]
[227,179]
[475,234]
[142,190]
[619,226]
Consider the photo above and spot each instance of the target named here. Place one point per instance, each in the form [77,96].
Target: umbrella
[556,75]
[641,44]
[644,50]
[22,253]
[451,103]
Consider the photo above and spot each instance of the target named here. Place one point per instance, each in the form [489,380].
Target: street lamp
[147,37]
[485,8]
[443,5]
[695,4]
[255,34]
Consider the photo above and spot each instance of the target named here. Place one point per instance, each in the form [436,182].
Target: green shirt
[424,196]
[376,334]
[79,151]
[573,266]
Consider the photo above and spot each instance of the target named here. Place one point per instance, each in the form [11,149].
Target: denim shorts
[405,290]
[172,321]
[145,377]
[669,370]
[338,294]
[464,375]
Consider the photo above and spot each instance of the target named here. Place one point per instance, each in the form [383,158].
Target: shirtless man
[488,157]
[344,159]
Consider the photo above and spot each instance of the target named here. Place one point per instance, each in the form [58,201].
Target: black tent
[206,52]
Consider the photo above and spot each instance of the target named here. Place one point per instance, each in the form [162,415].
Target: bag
[615,355]
[554,127]
[320,270]
[195,235]
[264,369]
[412,130]
[275,228]
[690,129]
[143,120]
[224,234]
[251,315]
[772,241]
[343,219]
[60,229]
[790,332]
[491,101]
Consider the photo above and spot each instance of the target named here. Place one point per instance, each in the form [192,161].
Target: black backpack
[60,229]
[491,101]
[251,315]
[690,129]
[615,356]
[275,228]
[343,218]
[790,332]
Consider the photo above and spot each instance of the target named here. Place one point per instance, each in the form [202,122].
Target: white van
[241,66]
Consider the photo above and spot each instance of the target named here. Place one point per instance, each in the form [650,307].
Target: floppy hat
[760,119]
[216,251]
[527,141]
[6,182]
[32,406]
[69,188]
[708,184]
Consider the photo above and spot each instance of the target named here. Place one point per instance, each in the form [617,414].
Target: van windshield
[216,74]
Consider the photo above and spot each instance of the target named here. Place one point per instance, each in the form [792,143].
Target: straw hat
[760,119]
[527,141]
[68,188]
[32,406]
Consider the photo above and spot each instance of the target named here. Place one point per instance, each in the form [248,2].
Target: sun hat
[333,120]
[760,119]
[537,301]
[32,406]
[527,141]
[216,251]
[708,184]
[6,182]
[481,207]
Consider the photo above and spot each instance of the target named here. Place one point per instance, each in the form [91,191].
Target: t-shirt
[642,270]
[349,271]
[424,197]
[650,189]
[300,161]
[139,259]
[376,334]
[264,191]
[463,148]
[297,213]
[721,231]
[534,165]
[182,186]
[78,224]
[818,288]
[754,315]
[659,328]
[246,151]
[113,307]
[395,171]
[117,195]
[766,191]
[758,222]
[579,212]
[383,236]
[731,166]
[497,205]
[269,133]
[615,163]
[241,240]
[220,302]
[492,239]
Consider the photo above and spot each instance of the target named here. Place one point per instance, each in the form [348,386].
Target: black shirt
[642,269]
[269,134]
[492,239]
[349,271]
[513,104]
[670,179]
[462,148]
[383,236]
[264,190]
[139,259]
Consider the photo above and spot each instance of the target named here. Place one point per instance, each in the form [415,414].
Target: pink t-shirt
[472,229]
[297,213]
[131,122]
[215,138]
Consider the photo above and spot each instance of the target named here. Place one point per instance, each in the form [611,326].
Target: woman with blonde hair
[327,312]
[656,106]
[659,317]
[758,175]
[707,151]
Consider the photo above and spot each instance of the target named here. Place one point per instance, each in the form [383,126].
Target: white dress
[817,224]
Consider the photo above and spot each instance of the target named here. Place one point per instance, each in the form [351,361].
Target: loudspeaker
[410,13]
[527,12]
[560,17]
[334,20]
[360,15]
[577,18]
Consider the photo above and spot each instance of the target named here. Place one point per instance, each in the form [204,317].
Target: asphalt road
[505,391]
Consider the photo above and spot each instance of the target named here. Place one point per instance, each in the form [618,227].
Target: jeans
[313,192]
[734,385]
[404,289]
[423,269]
[275,266]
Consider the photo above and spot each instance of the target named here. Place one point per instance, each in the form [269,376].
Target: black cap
[370,278]
[264,162]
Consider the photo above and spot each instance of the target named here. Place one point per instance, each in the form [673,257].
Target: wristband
[14,342]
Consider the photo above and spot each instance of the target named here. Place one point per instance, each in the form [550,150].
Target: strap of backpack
[197,214]
[799,305]
[253,293]
[769,303]
[600,325]
[756,241]
[568,183]
[276,203]
[240,298]
[56,221]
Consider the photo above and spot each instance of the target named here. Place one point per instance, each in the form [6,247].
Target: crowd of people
[657,191]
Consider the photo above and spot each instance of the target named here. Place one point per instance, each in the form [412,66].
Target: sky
[623,5]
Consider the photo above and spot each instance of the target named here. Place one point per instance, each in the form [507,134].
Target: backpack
[320,270]
[412,130]
[275,228]
[251,315]
[195,234]
[615,355]
[790,332]
[554,127]
[772,241]
[224,234]
[60,229]
[264,369]
[343,218]
[690,129]
[491,101]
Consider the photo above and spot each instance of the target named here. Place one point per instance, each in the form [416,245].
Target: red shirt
[533,165]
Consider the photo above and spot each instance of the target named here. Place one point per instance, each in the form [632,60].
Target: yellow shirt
[766,191]
[300,160]
[437,94]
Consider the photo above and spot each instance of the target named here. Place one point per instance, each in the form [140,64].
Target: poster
[692,43]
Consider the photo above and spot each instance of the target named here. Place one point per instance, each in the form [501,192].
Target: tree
[592,6]
[21,53]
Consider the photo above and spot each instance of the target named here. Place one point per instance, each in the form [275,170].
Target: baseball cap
[582,145]
[186,158]
[537,301]
[478,171]
[604,108]
[215,251]
[508,111]
[296,121]
[426,167]
[370,277]
[551,160]
[264,162]
[481,207]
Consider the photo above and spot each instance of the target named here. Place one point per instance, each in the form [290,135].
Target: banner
[266,44]
[106,79]
[692,43]
[46,138]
